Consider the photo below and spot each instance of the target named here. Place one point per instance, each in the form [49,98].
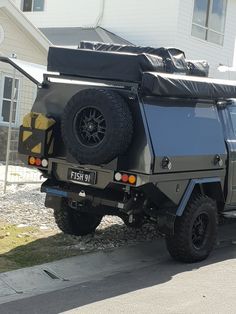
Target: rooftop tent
[173,59]
[171,85]
[102,64]
[142,68]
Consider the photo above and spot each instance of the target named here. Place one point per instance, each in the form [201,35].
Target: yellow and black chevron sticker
[38,121]
[36,135]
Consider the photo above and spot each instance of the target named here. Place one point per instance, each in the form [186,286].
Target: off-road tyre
[96,126]
[195,231]
[71,221]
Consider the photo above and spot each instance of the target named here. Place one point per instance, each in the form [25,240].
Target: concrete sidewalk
[57,275]
[119,279]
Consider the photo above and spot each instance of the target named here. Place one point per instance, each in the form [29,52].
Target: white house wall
[196,48]
[149,22]
[61,13]
[16,41]
[17,3]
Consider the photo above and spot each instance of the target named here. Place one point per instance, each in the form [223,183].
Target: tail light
[38,162]
[125,178]
[45,163]
[32,161]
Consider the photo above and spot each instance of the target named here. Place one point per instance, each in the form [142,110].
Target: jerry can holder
[34,141]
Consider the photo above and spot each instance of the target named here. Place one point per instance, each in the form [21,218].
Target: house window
[6,99]
[32,5]
[209,20]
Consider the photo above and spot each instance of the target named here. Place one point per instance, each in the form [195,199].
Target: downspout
[100,16]
[101,13]
[101,33]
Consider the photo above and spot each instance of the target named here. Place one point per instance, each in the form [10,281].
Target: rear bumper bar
[85,194]
[105,202]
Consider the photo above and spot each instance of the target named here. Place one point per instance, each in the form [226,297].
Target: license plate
[82,176]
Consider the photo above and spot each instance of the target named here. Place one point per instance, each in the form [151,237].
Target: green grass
[28,246]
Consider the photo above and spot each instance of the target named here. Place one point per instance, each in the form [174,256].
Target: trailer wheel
[96,126]
[70,221]
[195,231]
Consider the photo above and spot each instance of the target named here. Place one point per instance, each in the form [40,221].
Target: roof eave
[18,16]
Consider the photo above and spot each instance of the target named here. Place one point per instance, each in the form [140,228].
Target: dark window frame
[207,28]
[7,100]
[29,6]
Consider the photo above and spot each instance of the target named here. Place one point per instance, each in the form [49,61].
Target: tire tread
[70,221]
[177,245]
[121,134]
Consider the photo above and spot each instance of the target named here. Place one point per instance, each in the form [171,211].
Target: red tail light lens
[38,162]
[125,178]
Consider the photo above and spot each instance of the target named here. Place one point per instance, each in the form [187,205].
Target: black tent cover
[102,64]
[174,59]
[145,69]
[171,85]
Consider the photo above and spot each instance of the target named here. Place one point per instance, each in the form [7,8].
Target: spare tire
[96,126]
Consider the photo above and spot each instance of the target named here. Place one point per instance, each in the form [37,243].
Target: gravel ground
[24,205]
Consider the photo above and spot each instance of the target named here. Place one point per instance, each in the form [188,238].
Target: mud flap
[166,222]
[52,201]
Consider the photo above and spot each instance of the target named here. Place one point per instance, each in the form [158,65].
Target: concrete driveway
[157,285]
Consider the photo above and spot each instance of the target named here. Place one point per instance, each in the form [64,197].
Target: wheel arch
[208,186]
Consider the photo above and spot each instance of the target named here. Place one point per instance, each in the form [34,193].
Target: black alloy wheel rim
[90,126]
[199,231]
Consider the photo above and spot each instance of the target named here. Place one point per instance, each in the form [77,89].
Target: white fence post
[13,94]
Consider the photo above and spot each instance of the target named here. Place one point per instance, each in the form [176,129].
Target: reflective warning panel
[36,135]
